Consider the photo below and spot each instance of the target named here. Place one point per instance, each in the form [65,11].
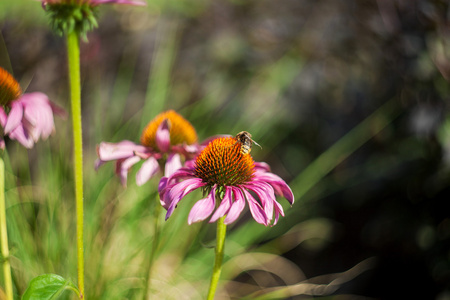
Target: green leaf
[48,287]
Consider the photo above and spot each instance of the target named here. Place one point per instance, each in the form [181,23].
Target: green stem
[221,233]
[4,236]
[155,243]
[73,54]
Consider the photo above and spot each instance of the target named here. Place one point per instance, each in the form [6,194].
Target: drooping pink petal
[149,168]
[123,166]
[162,188]
[182,173]
[3,117]
[224,206]
[178,191]
[14,117]
[41,121]
[113,151]
[173,163]
[279,185]
[33,104]
[255,209]
[21,135]
[237,206]
[266,195]
[163,136]
[278,211]
[190,164]
[202,208]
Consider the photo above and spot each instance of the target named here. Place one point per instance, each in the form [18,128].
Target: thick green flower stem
[220,243]
[73,55]
[4,236]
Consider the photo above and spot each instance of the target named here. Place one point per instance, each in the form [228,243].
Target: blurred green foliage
[349,100]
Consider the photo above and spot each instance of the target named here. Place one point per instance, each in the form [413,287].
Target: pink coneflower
[24,117]
[231,178]
[165,142]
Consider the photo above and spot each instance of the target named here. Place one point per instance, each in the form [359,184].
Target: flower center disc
[181,131]
[222,163]
[9,88]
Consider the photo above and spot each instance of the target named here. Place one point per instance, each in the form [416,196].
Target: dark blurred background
[300,75]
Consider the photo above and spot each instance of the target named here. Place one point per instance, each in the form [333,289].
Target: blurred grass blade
[323,164]
[159,77]
[320,286]
[48,287]
[344,147]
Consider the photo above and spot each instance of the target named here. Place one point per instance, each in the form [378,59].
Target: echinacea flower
[67,16]
[24,117]
[229,178]
[165,141]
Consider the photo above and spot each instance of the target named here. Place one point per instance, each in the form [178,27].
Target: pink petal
[14,117]
[237,206]
[178,191]
[34,104]
[149,168]
[256,209]
[224,206]
[182,173]
[121,150]
[163,136]
[265,194]
[40,118]
[173,163]
[3,117]
[162,188]
[202,208]
[278,211]
[21,135]
[262,166]
[190,164]
[280,186]
[123,166]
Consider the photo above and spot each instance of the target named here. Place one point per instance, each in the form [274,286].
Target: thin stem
[4,235]
[221,233]
[155,243]
[73,54]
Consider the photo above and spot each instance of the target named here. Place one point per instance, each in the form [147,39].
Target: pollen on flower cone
[9,88]
[222,163]
[181,131]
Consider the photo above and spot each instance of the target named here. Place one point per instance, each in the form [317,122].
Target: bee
[245,139]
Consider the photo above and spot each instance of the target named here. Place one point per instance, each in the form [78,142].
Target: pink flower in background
[166,141]
[25,117]
[232,179]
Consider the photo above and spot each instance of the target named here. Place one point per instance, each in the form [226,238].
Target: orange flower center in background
[181,131]
[222,163]
[9,88]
